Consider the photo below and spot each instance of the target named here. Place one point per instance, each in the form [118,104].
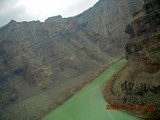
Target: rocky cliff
[37,57]
[138,82]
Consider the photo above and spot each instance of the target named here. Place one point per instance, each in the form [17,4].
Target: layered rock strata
[138,82]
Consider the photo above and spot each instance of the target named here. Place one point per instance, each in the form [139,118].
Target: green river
[89,103]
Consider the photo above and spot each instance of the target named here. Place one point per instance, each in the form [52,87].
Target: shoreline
[115,100]
[76,89]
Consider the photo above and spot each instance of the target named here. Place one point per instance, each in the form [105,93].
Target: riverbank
[89,103]
[76,89]
[134,104]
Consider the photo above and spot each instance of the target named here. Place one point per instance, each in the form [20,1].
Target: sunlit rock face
[37,56]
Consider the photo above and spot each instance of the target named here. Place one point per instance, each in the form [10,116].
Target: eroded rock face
[138,82]
[37,56]
[108,18]
[144,45]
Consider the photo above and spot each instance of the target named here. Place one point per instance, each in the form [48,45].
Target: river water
[89,103]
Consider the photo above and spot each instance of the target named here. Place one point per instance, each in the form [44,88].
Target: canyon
[42,63]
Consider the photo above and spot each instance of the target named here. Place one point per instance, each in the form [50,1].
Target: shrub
[129,29]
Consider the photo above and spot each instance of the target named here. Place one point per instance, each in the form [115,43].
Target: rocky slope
[138,82]
[36,57]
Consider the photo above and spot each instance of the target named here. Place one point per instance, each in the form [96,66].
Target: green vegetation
[89,104]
